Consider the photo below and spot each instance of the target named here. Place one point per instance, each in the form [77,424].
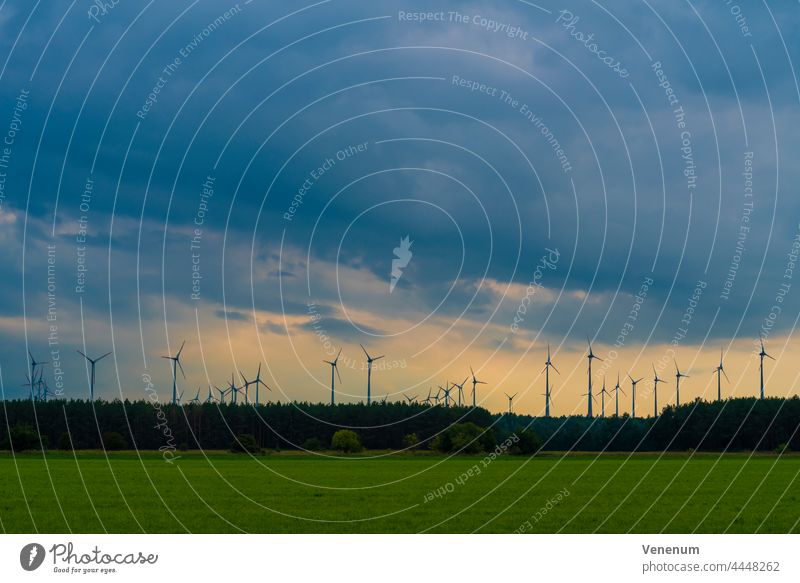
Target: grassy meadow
[91,492]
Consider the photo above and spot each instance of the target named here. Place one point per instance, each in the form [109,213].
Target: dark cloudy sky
[636,160]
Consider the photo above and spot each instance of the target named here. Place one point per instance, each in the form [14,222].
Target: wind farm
[449,394]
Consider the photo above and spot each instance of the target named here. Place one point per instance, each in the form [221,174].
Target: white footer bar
[390,558]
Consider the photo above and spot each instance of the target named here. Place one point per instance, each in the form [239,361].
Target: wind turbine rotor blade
[336,368]
[379,357]
[181,349]
[86,357]
[180,366]
[726,375]
[365,351]
[102,357]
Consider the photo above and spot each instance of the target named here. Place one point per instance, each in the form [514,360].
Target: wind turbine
[411,399]
[475,383]
[370,360]
[176,363]
[256,381]
[210,398]
[427,400]
[93,362]
[460,391]
[334,367]
[656,380]
[196,399]
[617,389]
[678,376]
[548,363]
[510,401]
[233,389]
[720,370]
[222,393]
[633,395]
[34,364]
[761,355]
[446,392]
[603,394]
[590,356]
[45,389]
[32,378]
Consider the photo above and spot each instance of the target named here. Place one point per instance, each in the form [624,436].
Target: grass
[278,493]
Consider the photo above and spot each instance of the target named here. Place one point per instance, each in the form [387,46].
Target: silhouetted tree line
[735,424]
[214,426]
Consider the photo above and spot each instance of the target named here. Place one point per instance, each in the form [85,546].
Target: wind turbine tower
[176,363]
[475,383]
[334,368]
[603,394]
[656,380]
[761,355]
[617,389]
[92,362]
[720,370]
[510,401]
[590,356]
[678,376]
[547,365]
[370,360]
[633,395]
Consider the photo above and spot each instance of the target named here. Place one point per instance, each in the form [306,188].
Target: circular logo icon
[31,556]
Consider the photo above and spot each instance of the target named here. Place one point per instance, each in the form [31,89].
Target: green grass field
[302,493]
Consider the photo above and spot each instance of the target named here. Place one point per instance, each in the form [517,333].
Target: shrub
[21,438]
[528,444]
[312,444]
[464,438]
[410,441]
[245,443]
[346,441]
[113,441]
